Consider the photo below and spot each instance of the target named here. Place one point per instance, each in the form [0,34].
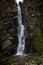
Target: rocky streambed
[25,60]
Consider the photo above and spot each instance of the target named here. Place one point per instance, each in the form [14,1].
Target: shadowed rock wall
[8,28]
[32,16]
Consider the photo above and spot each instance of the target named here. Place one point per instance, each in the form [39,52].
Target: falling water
[21,37]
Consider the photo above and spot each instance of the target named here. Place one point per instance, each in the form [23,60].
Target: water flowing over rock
[21,37]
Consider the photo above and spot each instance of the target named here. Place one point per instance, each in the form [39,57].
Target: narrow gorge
[21,32]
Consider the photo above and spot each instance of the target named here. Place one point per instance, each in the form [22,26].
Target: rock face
[8,28]
[31,19]
[27,29]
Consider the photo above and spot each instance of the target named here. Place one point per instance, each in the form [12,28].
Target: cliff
[8,28]
[32,18]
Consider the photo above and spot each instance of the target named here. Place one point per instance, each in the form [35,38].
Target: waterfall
[21,37]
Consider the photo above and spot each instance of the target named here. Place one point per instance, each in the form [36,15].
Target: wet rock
[31,20]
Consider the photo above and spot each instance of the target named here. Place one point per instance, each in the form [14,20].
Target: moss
[38,44]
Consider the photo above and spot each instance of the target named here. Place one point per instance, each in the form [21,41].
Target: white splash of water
[19,1]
